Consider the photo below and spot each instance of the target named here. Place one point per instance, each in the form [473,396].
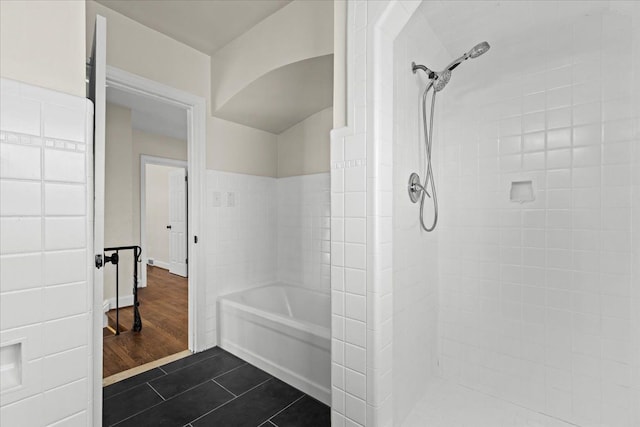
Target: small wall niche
[10,366]
[522,191]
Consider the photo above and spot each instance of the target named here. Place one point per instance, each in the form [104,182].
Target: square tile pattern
[45,160]
[211,388]
[263,230]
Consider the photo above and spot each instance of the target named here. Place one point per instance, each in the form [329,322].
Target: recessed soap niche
[10,366]
[522,192]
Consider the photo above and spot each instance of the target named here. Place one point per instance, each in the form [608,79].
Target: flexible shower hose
[428,179]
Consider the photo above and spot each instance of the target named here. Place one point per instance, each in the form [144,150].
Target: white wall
[537,299]
[635,307]
[233,147]
[148,53]
[118,200]
[45,245]
[157,213]
[415,252]
[304,148]
[45,236]
[339,63]
[241,232]
[303,231]
[151,145]
[364,24]
[43,43]
[124,146]
[300,30]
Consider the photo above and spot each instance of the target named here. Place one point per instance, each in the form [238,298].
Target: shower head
[476,51]
[441,80]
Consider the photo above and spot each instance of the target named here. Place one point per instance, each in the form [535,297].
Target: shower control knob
[414,187]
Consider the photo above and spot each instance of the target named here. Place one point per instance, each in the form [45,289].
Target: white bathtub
[284,330]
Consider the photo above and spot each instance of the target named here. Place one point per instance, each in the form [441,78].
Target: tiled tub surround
[211,388]
[304,231]
[45,238]
[253,223]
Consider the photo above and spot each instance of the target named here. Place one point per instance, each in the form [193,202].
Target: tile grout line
[226,389]
[176,395]
[169,373]
[284,409]
[190,364]
[230,370]
[161,396]
[130,388]
[225,403]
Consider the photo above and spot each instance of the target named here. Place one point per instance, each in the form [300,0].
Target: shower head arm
[457,62]
[415,67]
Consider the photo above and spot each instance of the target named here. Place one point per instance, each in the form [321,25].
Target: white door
[97,93]
[178,222]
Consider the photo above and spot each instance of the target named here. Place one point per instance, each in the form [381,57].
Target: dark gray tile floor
[211,388]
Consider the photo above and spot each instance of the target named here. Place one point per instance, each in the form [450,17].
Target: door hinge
[185,178]
[186,261]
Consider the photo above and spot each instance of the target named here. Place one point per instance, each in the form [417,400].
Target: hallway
[164,312]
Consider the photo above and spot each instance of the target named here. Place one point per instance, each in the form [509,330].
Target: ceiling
[524,35]
[205,25]
[150,115]
[283,97]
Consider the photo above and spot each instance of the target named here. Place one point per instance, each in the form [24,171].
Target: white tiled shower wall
[45,147]
[540,302]
[261,230]
[371,96]
[355,342]
[415,252]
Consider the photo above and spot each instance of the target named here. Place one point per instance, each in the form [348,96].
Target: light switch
[231,199]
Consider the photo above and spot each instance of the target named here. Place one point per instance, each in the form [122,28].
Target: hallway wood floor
[164,312]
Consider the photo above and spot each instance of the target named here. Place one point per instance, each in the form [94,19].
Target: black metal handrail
[115,259]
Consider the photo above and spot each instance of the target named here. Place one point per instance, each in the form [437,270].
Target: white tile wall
[44,290]
[355,401]
[261,230]
[303,212]
[535,297]
[241,236]
[415,252]
[532,266]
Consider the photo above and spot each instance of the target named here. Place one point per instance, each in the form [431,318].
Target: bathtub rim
[315,329]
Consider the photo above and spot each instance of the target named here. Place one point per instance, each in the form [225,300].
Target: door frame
[195,107]
[144,161]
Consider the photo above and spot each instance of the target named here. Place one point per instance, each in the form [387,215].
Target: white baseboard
[125,301]
[161,264]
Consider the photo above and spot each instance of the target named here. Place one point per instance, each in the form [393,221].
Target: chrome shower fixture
[437,81]
[440,79]
[475,51]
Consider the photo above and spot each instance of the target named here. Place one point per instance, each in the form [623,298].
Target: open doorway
[146,223]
